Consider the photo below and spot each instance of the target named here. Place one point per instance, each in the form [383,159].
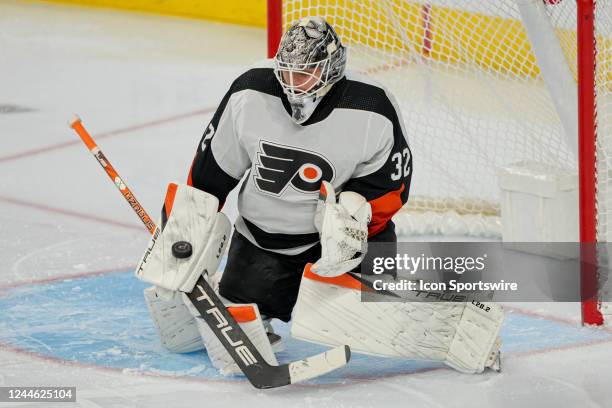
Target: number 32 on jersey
[402,164]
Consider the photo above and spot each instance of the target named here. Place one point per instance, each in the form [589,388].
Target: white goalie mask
[310,59]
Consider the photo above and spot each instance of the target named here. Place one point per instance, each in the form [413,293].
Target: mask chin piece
[302,108]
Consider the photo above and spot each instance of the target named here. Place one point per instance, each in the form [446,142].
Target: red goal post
[587,159]
[461,41]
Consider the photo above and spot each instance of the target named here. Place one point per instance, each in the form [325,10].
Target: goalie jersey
[354,139]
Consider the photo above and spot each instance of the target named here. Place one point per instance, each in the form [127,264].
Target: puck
[182,249]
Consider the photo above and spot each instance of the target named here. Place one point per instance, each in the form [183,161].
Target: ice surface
[103,321]
[70,311]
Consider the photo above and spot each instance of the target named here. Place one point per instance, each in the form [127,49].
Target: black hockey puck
[182,249]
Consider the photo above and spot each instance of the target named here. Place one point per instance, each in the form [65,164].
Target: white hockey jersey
[354,139]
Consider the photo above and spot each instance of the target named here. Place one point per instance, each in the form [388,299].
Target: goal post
[485,84]
[275,25]
[587,159]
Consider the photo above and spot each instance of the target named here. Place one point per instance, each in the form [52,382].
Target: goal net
[481,85]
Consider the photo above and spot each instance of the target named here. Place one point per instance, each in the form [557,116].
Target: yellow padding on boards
[457,37]
[492,43]
[245,12]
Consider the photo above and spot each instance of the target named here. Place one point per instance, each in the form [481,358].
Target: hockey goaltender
[325,163]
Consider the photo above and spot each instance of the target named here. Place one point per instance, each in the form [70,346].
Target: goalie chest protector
[355,134]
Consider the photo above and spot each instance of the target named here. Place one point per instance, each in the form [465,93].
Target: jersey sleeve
[221,160]
[383,178]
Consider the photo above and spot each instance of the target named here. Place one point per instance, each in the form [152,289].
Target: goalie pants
[272,280]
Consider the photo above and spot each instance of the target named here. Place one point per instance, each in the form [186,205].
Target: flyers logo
[280,166]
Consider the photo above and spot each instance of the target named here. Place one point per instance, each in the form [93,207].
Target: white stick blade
[320,364]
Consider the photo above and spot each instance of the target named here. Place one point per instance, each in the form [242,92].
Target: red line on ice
[546,316]
[79,364]
[64,362]
[356,379]
[70,213]
[77,275]
[58,146]
[122,371]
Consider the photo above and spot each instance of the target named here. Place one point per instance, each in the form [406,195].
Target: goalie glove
[343,228]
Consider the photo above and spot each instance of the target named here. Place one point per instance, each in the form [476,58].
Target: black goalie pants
[269,279]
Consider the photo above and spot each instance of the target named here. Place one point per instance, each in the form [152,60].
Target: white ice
[146,86]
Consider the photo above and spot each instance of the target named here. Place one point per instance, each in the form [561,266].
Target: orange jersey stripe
[383,209]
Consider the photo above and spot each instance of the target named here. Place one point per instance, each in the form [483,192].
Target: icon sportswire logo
[279,166]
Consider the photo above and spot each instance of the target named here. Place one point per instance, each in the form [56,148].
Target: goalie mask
[309,61]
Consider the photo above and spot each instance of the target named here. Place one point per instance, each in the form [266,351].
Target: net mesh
[470,90]
[603,89]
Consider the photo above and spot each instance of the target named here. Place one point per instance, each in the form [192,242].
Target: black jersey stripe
[345,94]
[205,173]
[272,241]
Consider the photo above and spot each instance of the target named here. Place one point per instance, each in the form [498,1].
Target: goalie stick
[76,124]
[259,373]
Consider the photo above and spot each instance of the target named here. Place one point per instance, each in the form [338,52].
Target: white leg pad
[249,319]
[476,337]
[174,323]
[458,334]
